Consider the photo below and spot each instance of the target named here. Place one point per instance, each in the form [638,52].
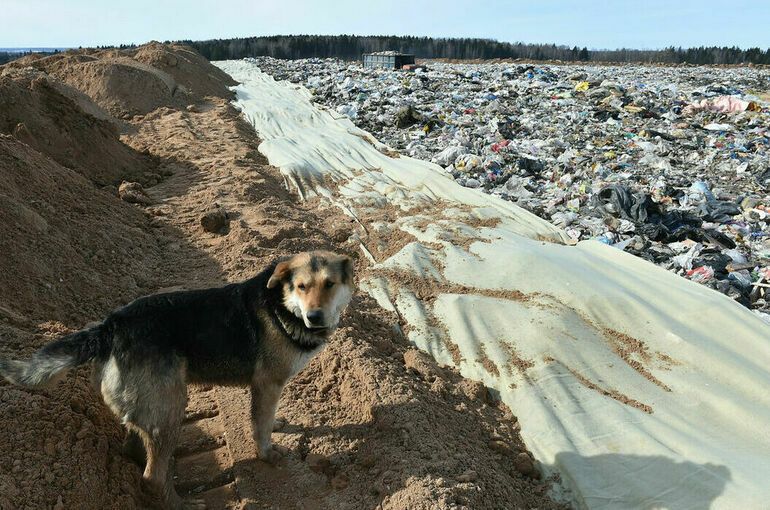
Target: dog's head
[317,286]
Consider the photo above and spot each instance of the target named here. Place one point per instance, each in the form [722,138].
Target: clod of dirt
[133,193]
[215,220]
[468,476]
[500,446]
[319,464]
[524,465]
[340,482]
[422,364]
[474,390]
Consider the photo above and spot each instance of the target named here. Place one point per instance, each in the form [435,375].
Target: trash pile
[671,164]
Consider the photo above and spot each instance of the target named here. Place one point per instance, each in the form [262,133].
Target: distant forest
[350,47]
[7,56]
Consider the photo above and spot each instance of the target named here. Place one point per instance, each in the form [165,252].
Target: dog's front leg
[264,402]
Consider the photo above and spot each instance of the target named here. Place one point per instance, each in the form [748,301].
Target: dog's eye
[301,286]
[329,284]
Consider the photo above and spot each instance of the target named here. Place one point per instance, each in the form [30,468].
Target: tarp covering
[640,388]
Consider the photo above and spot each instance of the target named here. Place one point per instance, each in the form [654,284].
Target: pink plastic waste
[721,104]
[499,145]
[701,274]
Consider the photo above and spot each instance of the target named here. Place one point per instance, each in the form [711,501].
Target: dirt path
[361,429]
[203,460]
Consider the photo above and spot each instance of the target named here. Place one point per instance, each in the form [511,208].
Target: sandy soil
[132,82]
[39,111]
[369,423]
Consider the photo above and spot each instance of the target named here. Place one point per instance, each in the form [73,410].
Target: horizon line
[514,43]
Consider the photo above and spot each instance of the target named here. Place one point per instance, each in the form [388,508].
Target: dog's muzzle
[316,318]
[306,337]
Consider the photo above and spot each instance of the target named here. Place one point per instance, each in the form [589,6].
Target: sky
[643,24]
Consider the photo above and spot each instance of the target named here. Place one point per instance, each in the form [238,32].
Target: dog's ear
[346,268]
[281,272]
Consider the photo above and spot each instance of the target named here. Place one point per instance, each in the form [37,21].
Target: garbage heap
[671,164]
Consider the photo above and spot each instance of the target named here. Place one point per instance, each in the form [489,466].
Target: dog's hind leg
[159,445]
[133,446]
[150,400]
[159,421]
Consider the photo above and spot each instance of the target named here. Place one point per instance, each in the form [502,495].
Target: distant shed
[387,60]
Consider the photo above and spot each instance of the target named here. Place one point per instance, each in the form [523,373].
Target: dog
[259,333]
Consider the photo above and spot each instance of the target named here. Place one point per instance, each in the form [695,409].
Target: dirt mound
[68,247]
[391,428]
[62,449]
[190,70]
[122,86]
[70,252]
[136,81]
[59,445]
[60,122]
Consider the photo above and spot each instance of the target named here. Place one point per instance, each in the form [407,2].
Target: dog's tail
[58,356]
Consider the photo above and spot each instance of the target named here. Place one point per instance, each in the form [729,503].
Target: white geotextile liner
[642,389]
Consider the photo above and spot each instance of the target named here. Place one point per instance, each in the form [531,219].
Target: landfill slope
[641,389]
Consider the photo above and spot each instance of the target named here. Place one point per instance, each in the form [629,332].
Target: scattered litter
[640,158]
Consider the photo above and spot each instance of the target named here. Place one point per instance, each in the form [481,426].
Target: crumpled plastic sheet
[640,388]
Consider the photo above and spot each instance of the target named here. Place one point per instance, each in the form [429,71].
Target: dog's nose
[316,317]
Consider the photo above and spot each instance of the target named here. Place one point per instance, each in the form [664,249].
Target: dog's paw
[273,454]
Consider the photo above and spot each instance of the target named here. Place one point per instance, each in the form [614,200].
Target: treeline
[351,47]
[7,56]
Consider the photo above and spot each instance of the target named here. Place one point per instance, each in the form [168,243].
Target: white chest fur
[303,358]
